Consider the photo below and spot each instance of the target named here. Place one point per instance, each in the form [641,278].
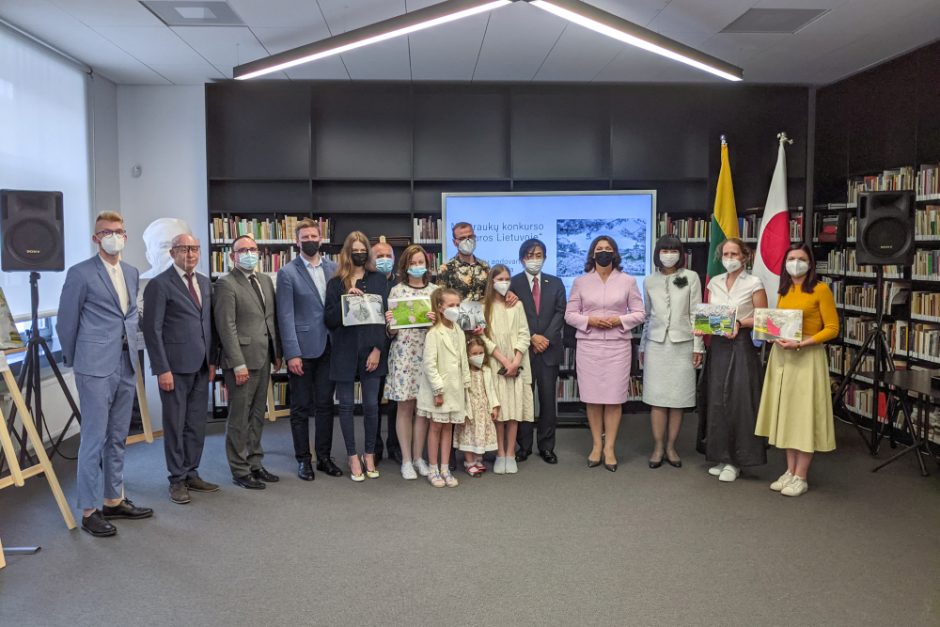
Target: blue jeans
[370,412]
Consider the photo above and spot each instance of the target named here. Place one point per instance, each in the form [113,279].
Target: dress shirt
[182,274]
[316,273]
[117,280]
[741,295]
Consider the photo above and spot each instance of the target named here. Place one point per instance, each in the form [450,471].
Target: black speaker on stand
[31,223]
[885,223]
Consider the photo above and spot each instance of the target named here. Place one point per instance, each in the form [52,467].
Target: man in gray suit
[97,328]
[177,329]
[244,313]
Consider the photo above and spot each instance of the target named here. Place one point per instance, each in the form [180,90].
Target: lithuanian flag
[725,215]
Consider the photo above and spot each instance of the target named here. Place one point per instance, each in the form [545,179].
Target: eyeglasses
[106,232]
[186,249]
[243,250]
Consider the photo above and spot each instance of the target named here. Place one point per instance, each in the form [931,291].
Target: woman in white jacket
[668,351]
[442,390]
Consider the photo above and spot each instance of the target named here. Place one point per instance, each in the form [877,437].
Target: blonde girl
[478,434]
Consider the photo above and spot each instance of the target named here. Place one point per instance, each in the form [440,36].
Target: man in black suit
[177,330]
[384,259]
[543,298]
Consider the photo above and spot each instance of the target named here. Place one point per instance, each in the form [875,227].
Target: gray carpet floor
[553,545]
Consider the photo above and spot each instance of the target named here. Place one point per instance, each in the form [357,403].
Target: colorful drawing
[410,312]
[778,324]
[714,319]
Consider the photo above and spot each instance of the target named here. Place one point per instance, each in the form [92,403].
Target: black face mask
[603,258]
[310,248]
[359,259]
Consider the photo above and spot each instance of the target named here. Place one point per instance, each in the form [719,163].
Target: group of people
[450,389]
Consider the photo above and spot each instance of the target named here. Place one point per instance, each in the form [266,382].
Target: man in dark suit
[301,288]
[543,298]
[97,328]
[177,330]
[384,258]
[245,322]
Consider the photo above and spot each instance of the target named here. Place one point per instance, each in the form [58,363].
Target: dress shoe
[305,471]
[248,482]
[96,525]
[675,464]
[198,484]
[549,457]
[610,467]
[262,474]
[395,455]
[522,455]
[126,509]
[179,493]
[594,463]
[329,467]
[656,463]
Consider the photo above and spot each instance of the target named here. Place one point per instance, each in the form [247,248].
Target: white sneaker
[796,487]
[511,466]
[422,467]
[716,470]
[782,481]
[499,466]
[408,471]
[729,473]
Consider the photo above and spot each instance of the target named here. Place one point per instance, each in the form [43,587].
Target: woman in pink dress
[605,305]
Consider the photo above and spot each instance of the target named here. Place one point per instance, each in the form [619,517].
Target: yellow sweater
[820,318]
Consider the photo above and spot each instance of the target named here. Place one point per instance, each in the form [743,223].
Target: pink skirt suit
[604,355]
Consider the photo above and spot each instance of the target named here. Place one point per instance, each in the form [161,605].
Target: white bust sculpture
[158,237]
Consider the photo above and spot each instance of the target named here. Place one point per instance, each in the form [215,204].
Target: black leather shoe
[549,457]
[198,484]
[522,455]
[674,464]
[305,471]
[96,525]
[126,509]
[248,482]
[179,493]
[610,467]
[262,474]
[593,463]
[394,454]
[329,467]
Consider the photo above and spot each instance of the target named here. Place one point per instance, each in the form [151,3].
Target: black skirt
[729,398]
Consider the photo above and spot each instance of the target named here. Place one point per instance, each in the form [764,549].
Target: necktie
[536,294]
[192,290]
[257,287]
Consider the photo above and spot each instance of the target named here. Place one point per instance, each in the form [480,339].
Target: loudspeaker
[33,233]
[885,228]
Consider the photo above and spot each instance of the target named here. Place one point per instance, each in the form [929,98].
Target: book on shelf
[220,261]
[925,304]
[826,227]
[894,179]
[865,296]
[927,185]
[280,230]
[926,265]
[749,224]
[844,262]
[927,223]
[686,229]
[427,230]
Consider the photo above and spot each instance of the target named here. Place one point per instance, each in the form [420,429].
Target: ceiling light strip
[620,29]
[427,17]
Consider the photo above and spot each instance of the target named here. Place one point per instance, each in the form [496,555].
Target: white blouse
[740,296]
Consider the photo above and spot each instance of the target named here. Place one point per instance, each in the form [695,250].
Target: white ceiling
[123,41]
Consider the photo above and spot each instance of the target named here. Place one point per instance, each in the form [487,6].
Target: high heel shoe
[610,467]
[371,474]
[361,476]
[595,463]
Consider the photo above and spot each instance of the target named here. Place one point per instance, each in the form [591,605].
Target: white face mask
[112,244]
[476,360]
[247,261]
[797,267]
[534,266]
[501,286]
[668,259]
[731,264]
[452,314]
[467,246]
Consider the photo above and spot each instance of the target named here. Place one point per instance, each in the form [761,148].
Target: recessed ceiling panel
[193,12]
[773,20]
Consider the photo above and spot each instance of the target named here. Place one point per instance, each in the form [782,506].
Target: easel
[273,414]
[147,435]
[19,475]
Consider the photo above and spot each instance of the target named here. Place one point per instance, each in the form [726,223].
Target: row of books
[749,225]
[280,390]
[927,184]
[843,262]
[926,264]
[865,296]
[686,229]
[268,230]
[427,230]
[889,180]
[927,223]
[925,304]
[826,228]
[896,332]
[269,260]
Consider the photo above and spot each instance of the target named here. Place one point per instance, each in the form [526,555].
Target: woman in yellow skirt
[796,403]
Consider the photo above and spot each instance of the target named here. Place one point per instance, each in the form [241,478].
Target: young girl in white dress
[442,390]
[477,435]
[507,341]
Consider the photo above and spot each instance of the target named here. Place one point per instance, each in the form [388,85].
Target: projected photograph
[575,237]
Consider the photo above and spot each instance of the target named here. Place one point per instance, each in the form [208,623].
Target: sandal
[473,470]
[481,466]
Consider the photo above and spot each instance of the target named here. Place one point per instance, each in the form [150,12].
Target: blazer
[670,309]
[178,334]
[351,345]
[300,310]
[91,327]
[550,319]
[446,370]
[590,296]
[245,329]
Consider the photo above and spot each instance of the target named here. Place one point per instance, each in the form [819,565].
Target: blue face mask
[384,265]
[417,271]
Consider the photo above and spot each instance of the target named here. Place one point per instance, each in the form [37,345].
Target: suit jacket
[178,334]
[550,319]
[91,326]
[619,296]
[352,345]
[245,329]
[669,308]
[300,310]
